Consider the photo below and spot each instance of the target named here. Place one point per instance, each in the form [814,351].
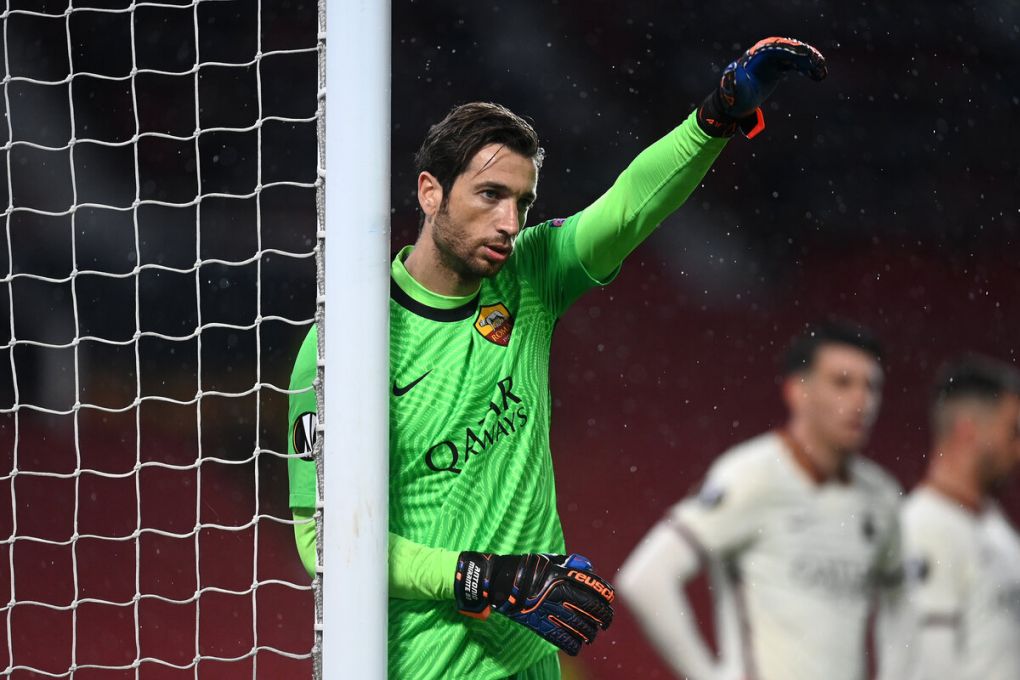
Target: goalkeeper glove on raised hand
[747,83]
[559,597]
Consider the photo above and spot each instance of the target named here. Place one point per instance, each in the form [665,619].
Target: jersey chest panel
[469,405]
[822,543]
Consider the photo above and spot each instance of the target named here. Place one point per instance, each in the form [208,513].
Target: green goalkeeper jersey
[470,463]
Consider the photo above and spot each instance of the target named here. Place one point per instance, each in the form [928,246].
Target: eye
[489,194]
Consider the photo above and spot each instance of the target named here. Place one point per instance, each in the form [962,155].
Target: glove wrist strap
[471,583]
[485,580]
[714,122]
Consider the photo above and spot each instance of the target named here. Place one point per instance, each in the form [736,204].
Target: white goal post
[356,432]
[162,255]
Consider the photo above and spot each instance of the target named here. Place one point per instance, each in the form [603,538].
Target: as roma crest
[495,323]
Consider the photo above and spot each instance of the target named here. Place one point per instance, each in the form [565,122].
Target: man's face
[998,439]
[475,227]
[838,396]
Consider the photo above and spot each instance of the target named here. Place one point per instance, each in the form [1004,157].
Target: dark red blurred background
[653,382]
[886,194]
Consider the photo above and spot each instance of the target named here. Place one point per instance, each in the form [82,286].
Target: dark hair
[451,143]
[803,349]
[973,376]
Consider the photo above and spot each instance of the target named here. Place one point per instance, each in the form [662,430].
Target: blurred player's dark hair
[971,377]
[803,349]
[451,143]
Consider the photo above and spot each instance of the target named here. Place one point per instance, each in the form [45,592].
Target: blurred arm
[893,632]
[304,537]
[937,651]
[654,185]
[652,582]
[936,591]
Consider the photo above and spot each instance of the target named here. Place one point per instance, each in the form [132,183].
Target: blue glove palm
[747,82]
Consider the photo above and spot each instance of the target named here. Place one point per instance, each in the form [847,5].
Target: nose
[510,220]
[866,399]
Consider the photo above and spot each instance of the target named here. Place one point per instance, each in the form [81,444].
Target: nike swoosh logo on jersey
[401,391]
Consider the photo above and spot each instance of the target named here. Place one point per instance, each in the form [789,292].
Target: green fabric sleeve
[301,417]
[418,572]
[300,467]
[547,258]
[655,184]
[304,537]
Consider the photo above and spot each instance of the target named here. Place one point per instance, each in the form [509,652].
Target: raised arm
[661,178]
[654,185]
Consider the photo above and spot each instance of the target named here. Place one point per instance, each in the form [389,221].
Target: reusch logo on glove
[595,584]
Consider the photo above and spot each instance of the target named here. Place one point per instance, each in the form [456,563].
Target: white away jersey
[964,572]
[803,556]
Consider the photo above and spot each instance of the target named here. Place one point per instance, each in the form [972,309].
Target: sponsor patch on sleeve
[711,495]
[916,569]
[304,434]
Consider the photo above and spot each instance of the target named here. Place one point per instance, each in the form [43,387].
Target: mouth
[497,252]
[857,426]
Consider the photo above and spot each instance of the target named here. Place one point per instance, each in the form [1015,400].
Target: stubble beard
[854,444]
[843,447]
[992,477]
[455,253]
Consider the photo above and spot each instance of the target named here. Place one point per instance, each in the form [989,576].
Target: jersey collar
[953,496]
[414,297]
[808,466]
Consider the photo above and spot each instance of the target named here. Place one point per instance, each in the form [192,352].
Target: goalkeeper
[473,523]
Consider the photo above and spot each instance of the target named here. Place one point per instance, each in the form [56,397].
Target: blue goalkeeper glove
[558,597]
[747,83]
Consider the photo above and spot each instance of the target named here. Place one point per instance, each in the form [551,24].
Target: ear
[965,428]
[794,391]
[430,194]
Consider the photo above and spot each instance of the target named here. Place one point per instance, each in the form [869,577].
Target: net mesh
[158,274]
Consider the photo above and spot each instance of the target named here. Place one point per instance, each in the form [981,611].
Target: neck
[427,265]
[827,461]
[954,474]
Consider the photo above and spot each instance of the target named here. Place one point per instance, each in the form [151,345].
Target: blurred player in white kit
[962,554]
[797,531]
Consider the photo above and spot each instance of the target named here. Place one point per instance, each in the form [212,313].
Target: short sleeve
[724,516]
[935,564]
[302,422]
[546,257]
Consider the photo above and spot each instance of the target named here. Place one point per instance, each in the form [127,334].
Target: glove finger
[575,561]
[579,609]
[596,612]
[591,591]
[771,57]
[581,620]
[563,637]
[573,632]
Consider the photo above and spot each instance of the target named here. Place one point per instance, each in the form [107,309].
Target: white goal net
[157,274]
